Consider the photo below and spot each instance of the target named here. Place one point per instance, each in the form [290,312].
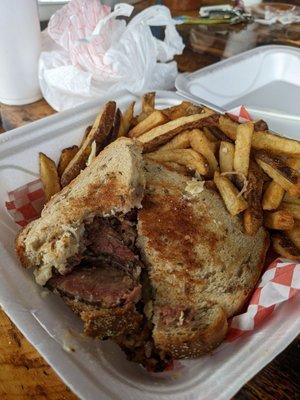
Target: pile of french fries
[256,172]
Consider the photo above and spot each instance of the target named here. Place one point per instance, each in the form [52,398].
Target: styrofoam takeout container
[266,80]
[98,370]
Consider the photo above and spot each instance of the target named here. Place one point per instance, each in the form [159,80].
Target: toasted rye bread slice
[196,254]
[113,183]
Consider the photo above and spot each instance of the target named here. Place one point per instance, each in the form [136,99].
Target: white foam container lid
[99,370]
[266,80]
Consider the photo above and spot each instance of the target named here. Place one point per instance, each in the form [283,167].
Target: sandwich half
[202,266]
[83,245]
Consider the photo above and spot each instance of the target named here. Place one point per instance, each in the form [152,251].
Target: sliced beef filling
[103,285]
[107,275]
[105,237]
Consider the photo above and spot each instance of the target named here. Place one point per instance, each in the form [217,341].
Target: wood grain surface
[24,374]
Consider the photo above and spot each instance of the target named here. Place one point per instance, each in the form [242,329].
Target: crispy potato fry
[228,126]
[65,157]
[148,102]
[260,125]
[294,209]
[126,119]
[273,196]
[294,234]
[156,118]
[162,134]
[216,133]
[251,221]
[234,203]
[226,156]
[285,247]
[294,163]
[49,176]
[279,220]
[148,106]
[202,145]
[253,216]
[114,132]
[208,133]
[291,199]
[242,148]
[86,132]
[173,166]
[180,141]
[275,167]
[274,143]
[101,128]
[188,157]
[183,109]
[214,147]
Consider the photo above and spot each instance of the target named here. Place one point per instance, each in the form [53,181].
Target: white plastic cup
[20,47]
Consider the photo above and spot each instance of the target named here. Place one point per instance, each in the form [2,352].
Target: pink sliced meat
[104,239]
[104,285]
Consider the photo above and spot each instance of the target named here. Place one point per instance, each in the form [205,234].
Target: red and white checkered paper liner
[279,283]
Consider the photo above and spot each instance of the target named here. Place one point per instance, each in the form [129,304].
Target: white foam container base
[266,78]
[98,370]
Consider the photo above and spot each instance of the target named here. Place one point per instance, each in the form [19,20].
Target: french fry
[49,176]
[294,209]
[173,166]
[284,246]
[242,148]
[294,234]
[251,221]
[279,220]
[216,133]
[273,196]
[86,132]
[180,141]
[226,156]
[101,128]
[148,106]
[188,157]
[260,125]
[126,119]
[114,132]
[228,126]
[253,215]
[160,135]
[274,143]
[291,199]
[153,120]
[202,145]
[275,167]
[148,102]
[235,204]
[208,133]
[294,163]
[65,157]
[183,109]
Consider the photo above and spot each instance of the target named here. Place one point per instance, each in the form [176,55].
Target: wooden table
[23,372]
